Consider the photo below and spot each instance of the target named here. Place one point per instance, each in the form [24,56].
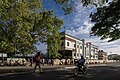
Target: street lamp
[2,58]
[64,42]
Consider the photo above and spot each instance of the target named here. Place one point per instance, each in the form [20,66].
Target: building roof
[64,33]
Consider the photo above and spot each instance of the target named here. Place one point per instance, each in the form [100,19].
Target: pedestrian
[43,61]
[49,61]
[37,62]
[52,62]
[31,61]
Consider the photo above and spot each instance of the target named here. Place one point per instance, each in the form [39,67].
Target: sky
[78,24]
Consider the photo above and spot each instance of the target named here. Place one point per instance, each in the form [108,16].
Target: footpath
[16,69]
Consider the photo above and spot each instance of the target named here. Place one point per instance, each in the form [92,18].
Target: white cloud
[82,13]
[84,29]
[82,21]
[83,33]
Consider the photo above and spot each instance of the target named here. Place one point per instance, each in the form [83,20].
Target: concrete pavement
[98,72]
[11,69]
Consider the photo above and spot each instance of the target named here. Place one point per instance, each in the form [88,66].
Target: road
[110,72]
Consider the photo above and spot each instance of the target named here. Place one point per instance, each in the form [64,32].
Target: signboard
[3,55]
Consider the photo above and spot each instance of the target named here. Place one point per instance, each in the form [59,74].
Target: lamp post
[3,57]
[64,42]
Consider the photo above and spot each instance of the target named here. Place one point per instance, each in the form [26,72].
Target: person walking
[31,61]
[43,61]
[49,61]
[37,62]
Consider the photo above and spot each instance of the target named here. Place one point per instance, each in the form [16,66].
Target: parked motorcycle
[79,69]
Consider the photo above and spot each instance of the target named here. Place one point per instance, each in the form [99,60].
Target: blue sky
[78,24]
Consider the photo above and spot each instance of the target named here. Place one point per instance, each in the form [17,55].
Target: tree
[107,21]
[22,25]
[116,57]
[54,39]
[68,5]
[47,29]
[15,25]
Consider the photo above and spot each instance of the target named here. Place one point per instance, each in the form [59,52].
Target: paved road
[12,69]
[110,72]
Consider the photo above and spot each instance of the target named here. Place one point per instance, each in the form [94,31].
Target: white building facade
[73,48]
[91,51]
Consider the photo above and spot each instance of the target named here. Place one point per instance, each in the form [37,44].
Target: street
[109,72]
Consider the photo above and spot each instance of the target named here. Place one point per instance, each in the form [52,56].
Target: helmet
[82,56]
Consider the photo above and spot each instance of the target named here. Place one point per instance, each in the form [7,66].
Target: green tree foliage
[47,29]
[23,23]
[54,39]
[107,21]
[68,5]
[107,17]
[15,26]
[97,3]
[116,57]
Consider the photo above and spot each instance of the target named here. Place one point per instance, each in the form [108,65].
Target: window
[80,47]
[74,45]
[77,46]
[96,56]
[77,54]
[67,43]
[74,54]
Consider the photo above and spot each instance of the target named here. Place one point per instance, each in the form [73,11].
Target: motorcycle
[79,69]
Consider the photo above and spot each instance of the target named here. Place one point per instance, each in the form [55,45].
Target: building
[91,51]
[3,57]
[88,51]
[71,48]
[102,55]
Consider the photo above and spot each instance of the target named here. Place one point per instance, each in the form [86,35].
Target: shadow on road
[93,73]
